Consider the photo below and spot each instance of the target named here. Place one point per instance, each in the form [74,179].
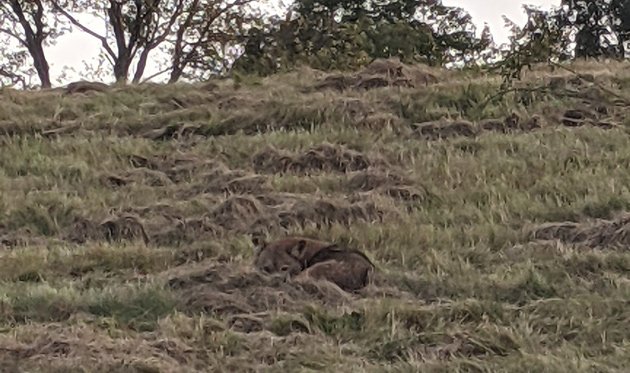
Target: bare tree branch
[30,31]
[203,18]
[163,71]
[14,78]
[15,36]
[83,28]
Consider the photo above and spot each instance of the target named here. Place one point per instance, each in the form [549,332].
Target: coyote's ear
[259,243]
[297,251]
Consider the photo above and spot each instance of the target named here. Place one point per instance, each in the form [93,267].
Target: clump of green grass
[135,307]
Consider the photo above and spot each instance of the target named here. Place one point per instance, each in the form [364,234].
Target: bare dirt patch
[325,157]
[598,233]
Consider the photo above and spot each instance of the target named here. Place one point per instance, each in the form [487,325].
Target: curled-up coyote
[302,257]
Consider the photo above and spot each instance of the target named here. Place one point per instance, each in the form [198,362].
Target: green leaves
[347,34]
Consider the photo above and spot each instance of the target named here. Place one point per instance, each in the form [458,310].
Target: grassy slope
[462,285]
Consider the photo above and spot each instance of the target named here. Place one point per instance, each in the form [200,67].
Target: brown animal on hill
[350,269]
[302,257]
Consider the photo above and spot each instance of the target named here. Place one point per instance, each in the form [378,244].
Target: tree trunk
[121,68]
[176,74]
[123,57]
[41,65]
[177,65]
[34,41]
[141,66]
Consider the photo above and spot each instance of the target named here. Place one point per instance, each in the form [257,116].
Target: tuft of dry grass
[497,222]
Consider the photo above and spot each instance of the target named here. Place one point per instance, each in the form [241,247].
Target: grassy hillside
[501,244]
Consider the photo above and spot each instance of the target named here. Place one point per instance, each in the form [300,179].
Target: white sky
[73,49]
[491,12]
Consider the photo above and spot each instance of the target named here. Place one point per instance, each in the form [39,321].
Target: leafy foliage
[542,39]
[347,34]
[197,39]
[195,34]
[600,27]
[206,37]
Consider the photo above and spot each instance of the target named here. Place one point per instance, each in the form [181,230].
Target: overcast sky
[491,12]
[72,50]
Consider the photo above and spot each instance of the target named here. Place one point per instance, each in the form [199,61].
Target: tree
[620,11]
[592,32]
[11,61]
[345,34]
[137,27]
[196,34]
[544,38]
[206,34]
[600,28]
[30,25]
